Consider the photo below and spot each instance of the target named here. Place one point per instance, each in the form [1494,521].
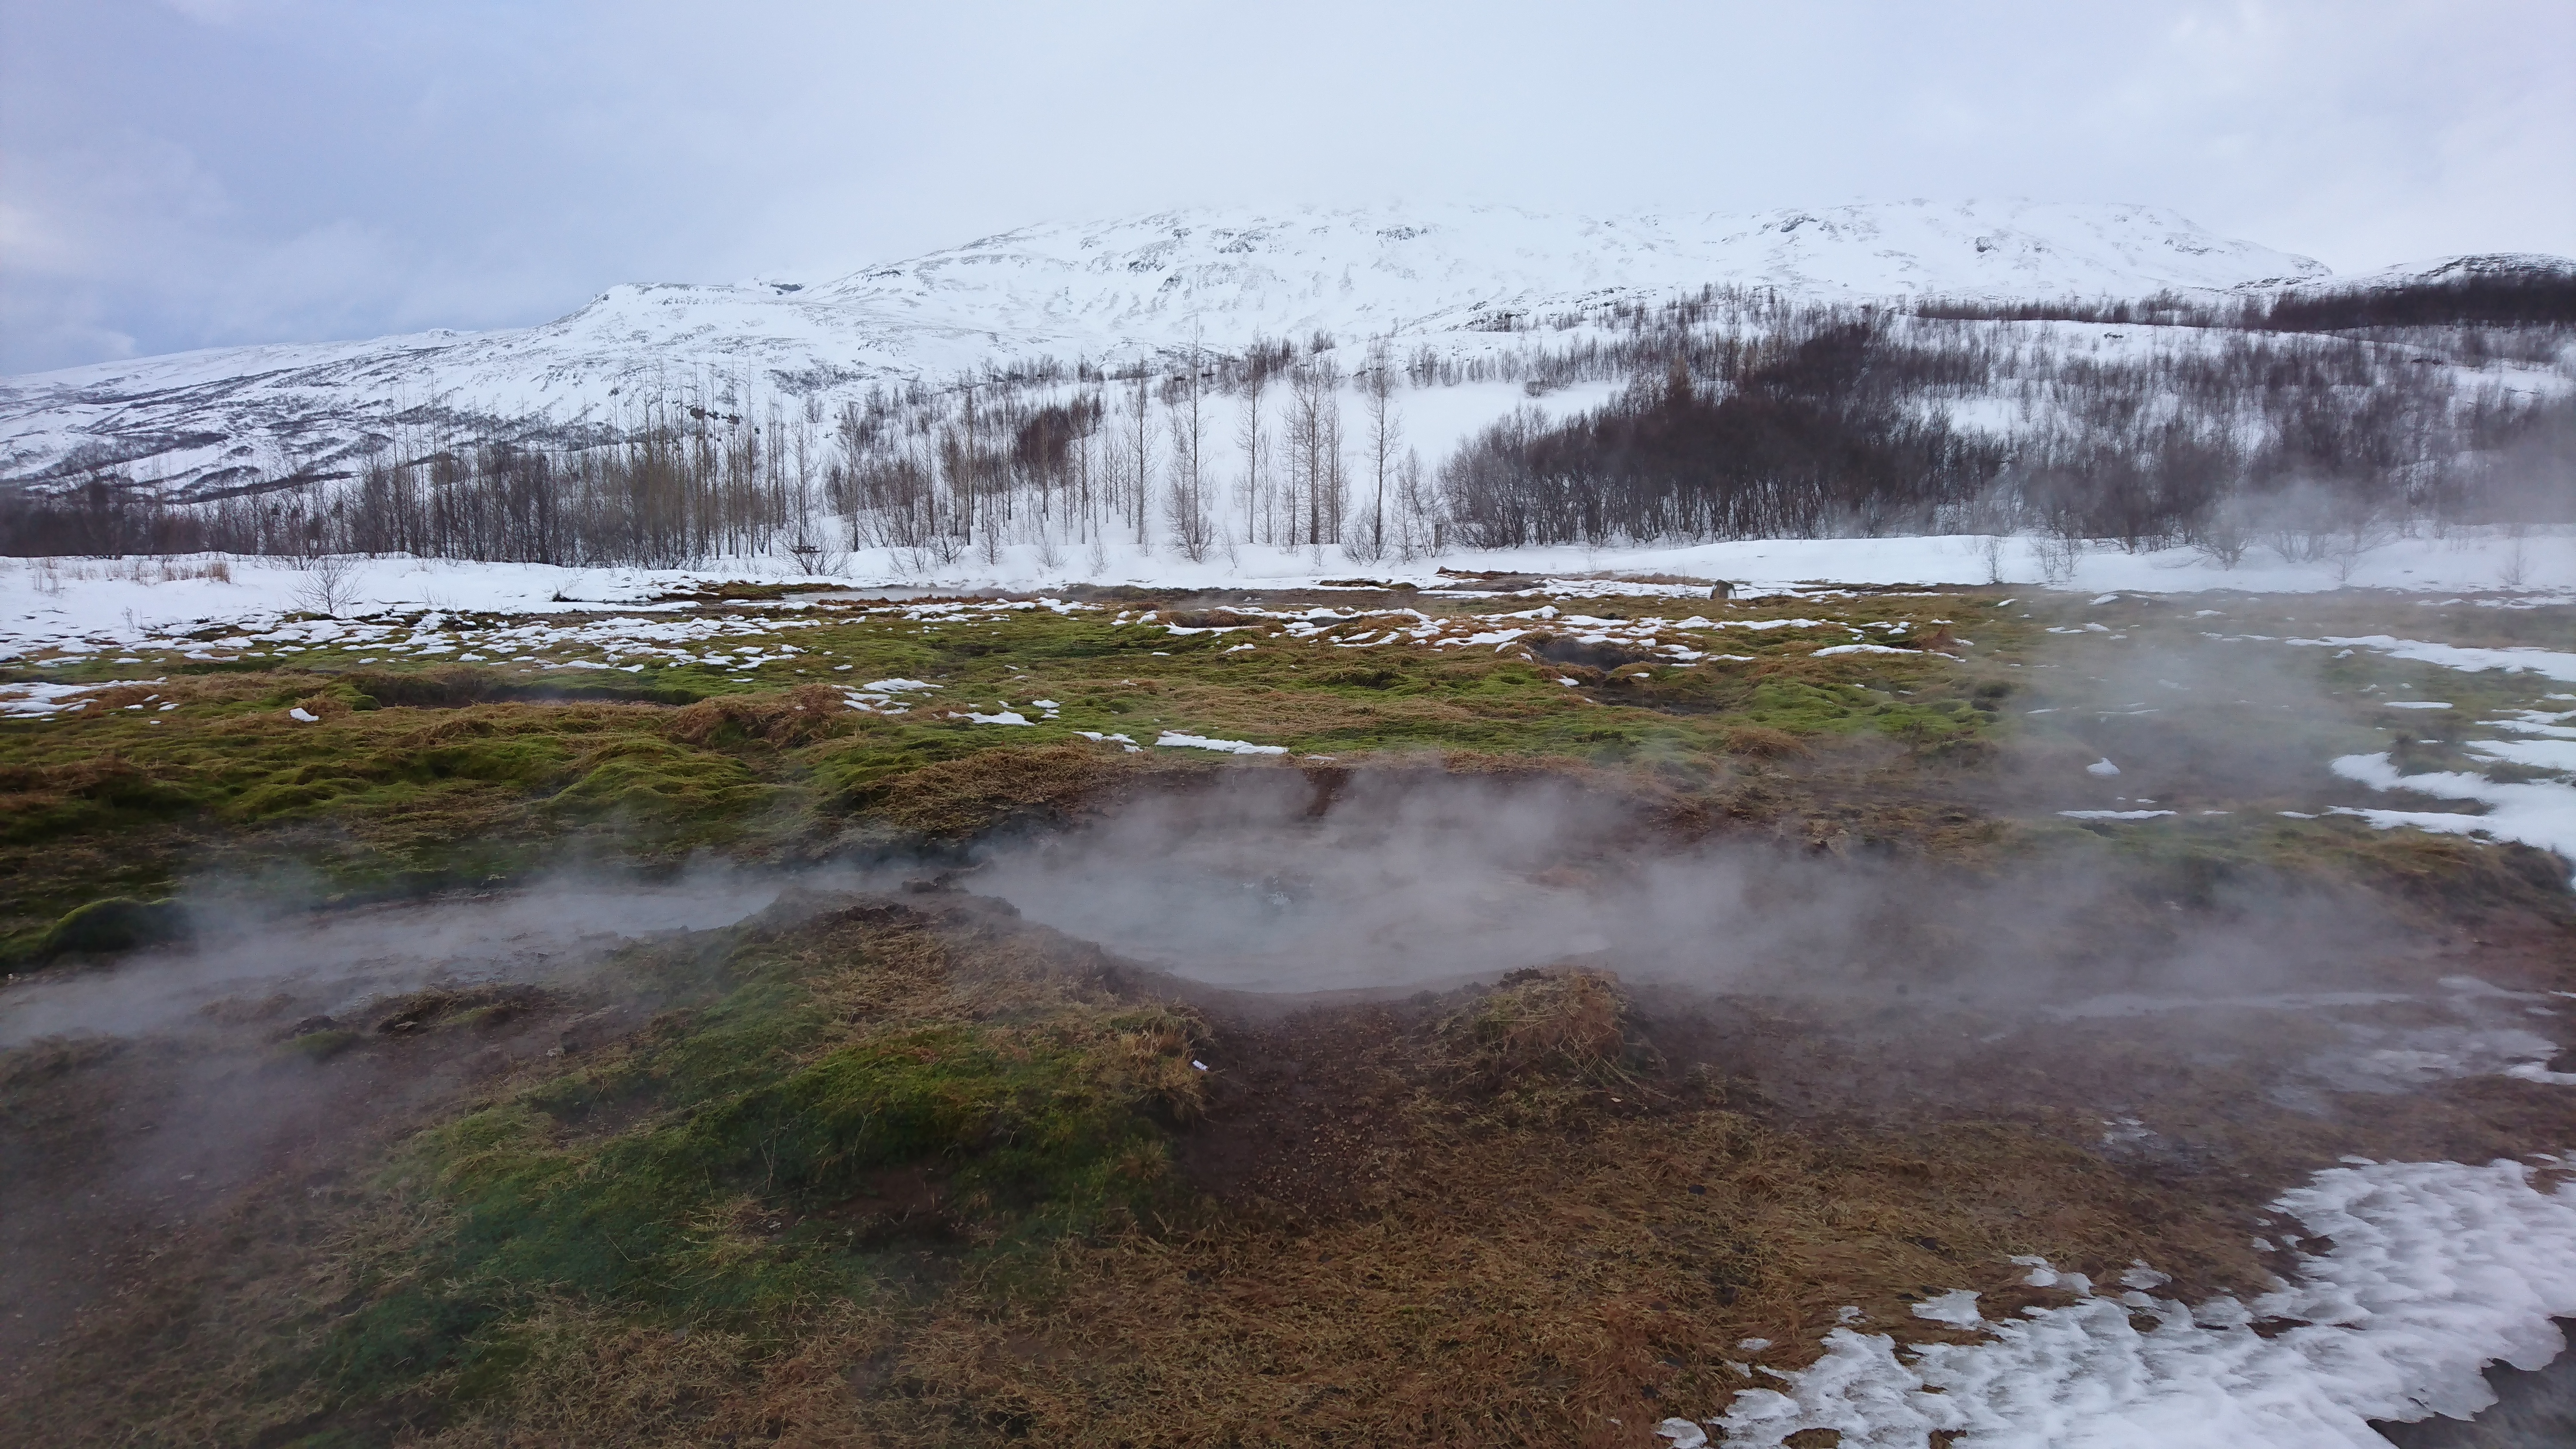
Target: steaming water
[328,963]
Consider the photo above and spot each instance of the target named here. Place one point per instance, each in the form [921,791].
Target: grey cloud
[223,171]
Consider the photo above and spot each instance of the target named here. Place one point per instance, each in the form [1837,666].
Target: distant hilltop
[1461,278]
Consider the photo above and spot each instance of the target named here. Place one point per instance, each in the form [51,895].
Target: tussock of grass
[995,787]
[488,1004]
[751,1184]
[798,716]
[1764,744]
[321,1045]
[1539,1022]
[109,926]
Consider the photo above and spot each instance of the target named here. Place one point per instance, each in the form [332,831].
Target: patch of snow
[1176,740]
[42,697]
[2553,663]
[2536,812]
[2552,754]
[2437,1270]
[2538,722]
[2102,767]
[2113,814]
[2418,1056]
[1873,649]
[1957,1308]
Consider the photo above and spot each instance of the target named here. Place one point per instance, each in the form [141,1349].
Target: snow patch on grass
[2552,663]
[2540,812]
[1871,649]
[2113,814]
[2437,1270]
[1174,739]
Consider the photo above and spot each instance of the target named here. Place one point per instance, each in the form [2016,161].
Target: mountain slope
[201,421]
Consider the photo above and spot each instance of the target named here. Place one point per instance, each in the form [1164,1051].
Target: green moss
[651,777]
[730,1197]
[1799,707]
[320,1046]
[109,926]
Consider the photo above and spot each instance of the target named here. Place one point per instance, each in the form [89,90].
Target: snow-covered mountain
[202,420]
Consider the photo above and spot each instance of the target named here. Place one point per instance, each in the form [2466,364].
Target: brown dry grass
[956,798]
[1538,1021]
[195,689]
[1498,1285]
[797,716]
[1765,744]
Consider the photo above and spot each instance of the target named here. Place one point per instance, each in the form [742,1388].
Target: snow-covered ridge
[1155,280]
[2481,267]
[1104,291]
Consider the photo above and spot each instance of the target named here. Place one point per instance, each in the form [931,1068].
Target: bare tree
[1417,510]
[330,583]
[1385,435]
[1333,484]
[1317,483]
[1253,440]
[2516,567]
[1140,459]
[1192,528]
[1083,458]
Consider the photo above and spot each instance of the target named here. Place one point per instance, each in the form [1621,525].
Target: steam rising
[1394,882]
[329,963]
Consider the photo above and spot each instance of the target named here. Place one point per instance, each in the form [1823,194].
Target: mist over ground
[1389,882]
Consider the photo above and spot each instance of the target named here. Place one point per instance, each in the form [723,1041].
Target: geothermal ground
[1534,1010]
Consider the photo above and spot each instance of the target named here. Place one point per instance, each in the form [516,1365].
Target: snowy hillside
[2485,266]
[205,420]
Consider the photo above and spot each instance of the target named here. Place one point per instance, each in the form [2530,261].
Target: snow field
[89,607]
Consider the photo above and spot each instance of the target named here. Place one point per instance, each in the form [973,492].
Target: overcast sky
[192,173]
